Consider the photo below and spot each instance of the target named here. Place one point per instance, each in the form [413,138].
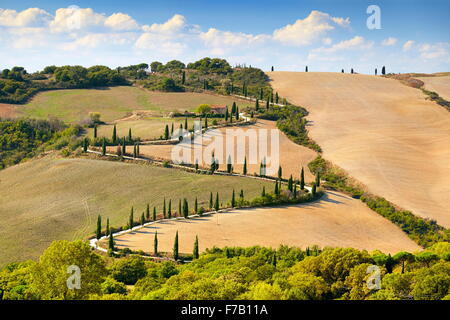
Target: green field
[114,103]
[51,198]
[147,128]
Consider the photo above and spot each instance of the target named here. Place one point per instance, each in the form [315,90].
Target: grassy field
[51,198]
[113,103]
[145,128]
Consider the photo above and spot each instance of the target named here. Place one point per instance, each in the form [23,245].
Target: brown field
[385,134]
[440,85]
[7,110]
[291,156]
[337,221]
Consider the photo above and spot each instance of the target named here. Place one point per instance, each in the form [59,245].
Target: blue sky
[325,35]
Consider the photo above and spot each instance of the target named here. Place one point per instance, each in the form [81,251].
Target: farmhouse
[218,109]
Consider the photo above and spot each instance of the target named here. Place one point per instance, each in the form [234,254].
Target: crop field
[383,133]
[440,85]
[59,198]
[337,221]
[113,103]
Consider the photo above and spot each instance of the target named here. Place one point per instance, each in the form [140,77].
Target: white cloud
[174,24]
[74,19]
[389,42]
[306,31]
[357,42]
[217,38]
[436,51]
[31,17]
[99,39]
[408,45]
[120,21]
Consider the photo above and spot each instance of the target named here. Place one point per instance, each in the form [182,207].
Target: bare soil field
[55,199]
[291,156]
[337,221]
[7,110]
[440,85]
[383,133]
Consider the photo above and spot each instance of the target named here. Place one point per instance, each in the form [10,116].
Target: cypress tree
[274,259]
[166,132]
[142,218]
[276,188]
[306,69]
[124,147]
[131,219]
[169,210]
[313,189]
[114,135]
[175,247]
[185,208]
[229,165]
[216,204]
[295,191]
[147,212]
[280,172]
[195,253]
[342,71]
[272,69]
[227,114]
[383,70]
[263,193]
[196,206]
[244,171]
[206,121]
[155,244]
[104,147]
[351,71]
[186,124]
[134,151]
[99,227]
[376,71]
[261,93]
[111,243]
[257,105]
[210,200]
[85,144]
[302,179]
[183,77]
[138,151]
[213,164]
[107,227]
[171,130]
[154,214]
[196,164]
[241,194]
[267,104]
[237,113]
[95,131]
[233,108]
[276,97]
[129,135]
[164,208]
[179,208]
[318,179]
[233,200]
[290,184]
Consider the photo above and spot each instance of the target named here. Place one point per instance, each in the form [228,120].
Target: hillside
[383,133]
[440,85]
[51,199]
[337,221]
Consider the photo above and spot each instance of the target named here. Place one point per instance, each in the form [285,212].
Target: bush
[128,270]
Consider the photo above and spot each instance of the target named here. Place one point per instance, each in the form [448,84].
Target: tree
[114,135]
[272,69]
[95,131]
[131,219]
[267,104]
[185,208]
[383,70]
[147,212]
[195,253]
[85,144]
[280,172]
[263,193]
[183,77]
[49,278]
[302,179]
[154,214]
[257,105]
[169,209]
[261,93]
[227,114]
[175,247]
[244,171]
[276,191]
[216,204]
[206,122]
[229,165]
[276,97]
[164,208]
[233,108]
[186,124]
[313,189]
[142,219]
[318,179]
[342,71]
[98,232]
[155,244]
[130,138]
[233,200]
[124,146]
[291,184]
[119,150]
[376,71]
[166,132]
[107,227]
[134,151]
[210,200]
[196,206]
[179,208]
[155,65]
[111,242]
[351,71]
[104,147]
[306,69]
[213,164]
[295,191]
[402,257]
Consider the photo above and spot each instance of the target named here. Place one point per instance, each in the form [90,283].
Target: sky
[405,36]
